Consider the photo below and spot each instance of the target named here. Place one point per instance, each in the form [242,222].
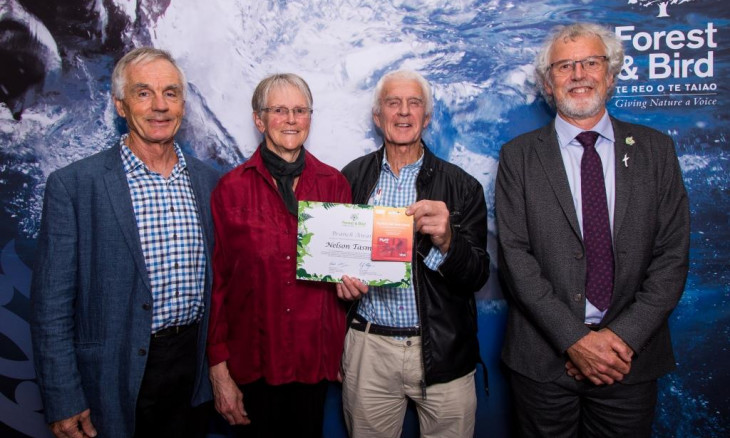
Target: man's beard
[581,109]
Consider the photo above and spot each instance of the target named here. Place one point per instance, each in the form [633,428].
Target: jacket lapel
[624,174]
[202,199]
[121,201]
[548,151]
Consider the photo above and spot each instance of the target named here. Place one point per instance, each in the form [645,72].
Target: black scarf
[284,173]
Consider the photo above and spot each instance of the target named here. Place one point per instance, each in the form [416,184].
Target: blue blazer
[91,300]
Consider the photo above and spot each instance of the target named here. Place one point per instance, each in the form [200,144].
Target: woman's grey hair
[614,52]
[403,75]
[141,55]
[261,93]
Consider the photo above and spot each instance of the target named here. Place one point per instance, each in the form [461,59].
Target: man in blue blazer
[121,286]
[593,224]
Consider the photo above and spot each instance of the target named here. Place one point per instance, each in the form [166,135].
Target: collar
[132,162]
[567,132]
[416,165]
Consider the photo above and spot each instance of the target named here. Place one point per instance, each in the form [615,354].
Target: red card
[392,234]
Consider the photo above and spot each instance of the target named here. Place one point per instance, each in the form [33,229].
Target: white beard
[582,109]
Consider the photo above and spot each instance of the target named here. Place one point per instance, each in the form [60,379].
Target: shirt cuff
[434,259]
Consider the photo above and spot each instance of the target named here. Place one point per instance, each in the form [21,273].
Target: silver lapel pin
[626,160]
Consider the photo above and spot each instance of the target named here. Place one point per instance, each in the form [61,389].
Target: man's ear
[547,87]
[609,81]
[119,105]
[376,120]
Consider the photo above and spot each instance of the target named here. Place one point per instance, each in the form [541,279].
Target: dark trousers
[163,403]
[569,408]
[290,410]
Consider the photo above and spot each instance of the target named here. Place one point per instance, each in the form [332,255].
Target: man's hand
[78,426]
[573,371]
[228,398]
[601,357]
[432,218]
[351,289]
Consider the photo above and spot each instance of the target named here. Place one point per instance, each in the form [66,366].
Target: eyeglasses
[590,64]
[282,111]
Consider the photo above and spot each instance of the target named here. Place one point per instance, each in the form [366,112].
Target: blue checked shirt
[391,306]
[172,240]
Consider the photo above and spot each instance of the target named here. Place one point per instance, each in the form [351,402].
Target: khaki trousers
[381,373]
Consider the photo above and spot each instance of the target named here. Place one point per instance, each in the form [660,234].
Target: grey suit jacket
[91,315]
[541,252]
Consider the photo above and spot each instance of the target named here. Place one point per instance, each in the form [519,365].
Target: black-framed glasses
[299,112]
[590,64]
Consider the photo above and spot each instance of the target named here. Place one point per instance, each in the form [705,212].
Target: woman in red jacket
[274,342]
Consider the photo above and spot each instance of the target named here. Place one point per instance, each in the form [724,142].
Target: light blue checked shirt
[172,240]
[391,306]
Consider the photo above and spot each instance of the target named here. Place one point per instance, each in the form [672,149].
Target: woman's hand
[228,398]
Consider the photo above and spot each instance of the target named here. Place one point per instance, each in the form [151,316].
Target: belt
[361,324]
[173,331]
[593,327]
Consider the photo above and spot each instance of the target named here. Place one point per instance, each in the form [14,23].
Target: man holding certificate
[417,342]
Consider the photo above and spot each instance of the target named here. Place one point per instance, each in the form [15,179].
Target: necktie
[596,228]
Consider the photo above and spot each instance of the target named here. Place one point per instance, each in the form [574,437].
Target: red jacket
[263,322]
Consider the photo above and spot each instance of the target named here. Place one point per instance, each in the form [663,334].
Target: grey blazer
[91,315]
[541,252]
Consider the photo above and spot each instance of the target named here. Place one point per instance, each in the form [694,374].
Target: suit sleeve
[666,274]
[53,297]
[466,266]
[530,290]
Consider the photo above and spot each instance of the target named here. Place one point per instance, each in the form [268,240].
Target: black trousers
[569,408]
[163,403]
[290,410]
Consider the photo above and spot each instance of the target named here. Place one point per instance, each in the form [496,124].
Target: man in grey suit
[593,224]
[121,286]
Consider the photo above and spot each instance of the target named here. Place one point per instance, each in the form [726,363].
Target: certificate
[336,239]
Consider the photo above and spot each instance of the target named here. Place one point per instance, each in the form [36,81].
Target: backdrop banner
[56,108]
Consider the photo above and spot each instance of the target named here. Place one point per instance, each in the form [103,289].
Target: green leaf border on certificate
[304,236]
